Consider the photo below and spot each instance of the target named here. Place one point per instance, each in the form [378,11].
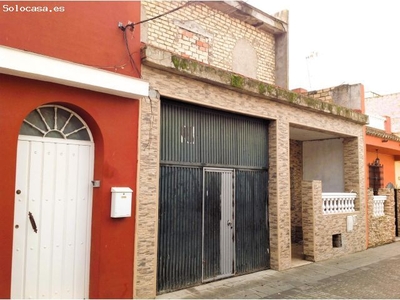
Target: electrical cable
[131,60]
[132,27]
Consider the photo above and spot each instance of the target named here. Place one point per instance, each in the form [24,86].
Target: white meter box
[121,202]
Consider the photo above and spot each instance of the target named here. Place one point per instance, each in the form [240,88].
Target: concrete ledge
[167,61]
[246,13]
[30,65]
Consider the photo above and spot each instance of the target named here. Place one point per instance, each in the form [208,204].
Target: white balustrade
[337,203]
[379,205]
[377,122]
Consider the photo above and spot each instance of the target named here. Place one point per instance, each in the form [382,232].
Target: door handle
[33,223]
[229,223]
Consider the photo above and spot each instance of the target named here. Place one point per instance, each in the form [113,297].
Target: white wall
[323,160]
[387,105]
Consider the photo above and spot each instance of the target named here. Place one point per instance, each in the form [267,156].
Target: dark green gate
[192,241]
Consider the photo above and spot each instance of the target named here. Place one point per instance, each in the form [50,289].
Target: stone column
[145,260]
[279,195]
[311,209]
[354,170]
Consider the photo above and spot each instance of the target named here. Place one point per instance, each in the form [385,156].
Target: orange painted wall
[113,122]
[384,147]
[85,32]
[387,161]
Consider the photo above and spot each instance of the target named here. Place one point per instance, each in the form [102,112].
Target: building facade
[385,111]
[233,167]
[383,152]
[69,114]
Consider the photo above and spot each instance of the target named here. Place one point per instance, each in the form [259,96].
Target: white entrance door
[52,218]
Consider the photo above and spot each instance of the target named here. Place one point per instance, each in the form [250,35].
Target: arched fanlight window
[54,121]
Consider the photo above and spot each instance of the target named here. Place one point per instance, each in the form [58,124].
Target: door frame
[219,170]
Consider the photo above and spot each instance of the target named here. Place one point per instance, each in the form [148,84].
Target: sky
[334,42]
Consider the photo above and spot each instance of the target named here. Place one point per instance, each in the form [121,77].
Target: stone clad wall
[211,37]
[381,229]
[354,172]
[192,55]
[346,95]
[324,94]
[147,197]
[296,177]
[397,191]
[318,229]
[310,191]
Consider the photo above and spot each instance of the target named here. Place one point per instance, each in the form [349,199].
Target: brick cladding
[296,174]
[397,191]
[318,229]
[324,94]
[313,228]
[382,228]
[206,35]
[147,202]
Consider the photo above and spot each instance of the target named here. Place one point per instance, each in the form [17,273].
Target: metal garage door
[213,196]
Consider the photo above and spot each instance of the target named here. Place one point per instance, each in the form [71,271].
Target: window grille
[375,176]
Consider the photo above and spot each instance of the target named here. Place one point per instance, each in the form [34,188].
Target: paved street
[372,274]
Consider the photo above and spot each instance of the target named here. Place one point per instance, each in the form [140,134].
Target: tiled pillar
[354,172]
[145,261]
[296,176]
[279,195]
[311,198]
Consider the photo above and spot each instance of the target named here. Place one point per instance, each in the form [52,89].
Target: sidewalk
[373,273]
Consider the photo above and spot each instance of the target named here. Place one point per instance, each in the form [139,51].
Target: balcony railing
[337,203]
[379,204]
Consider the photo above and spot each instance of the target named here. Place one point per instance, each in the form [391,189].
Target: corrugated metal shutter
[180,228]
[202,136]
[251,215]
[212,217]
[193,138]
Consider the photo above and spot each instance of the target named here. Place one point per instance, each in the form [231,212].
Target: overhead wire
[132,26]
[228,12]
[131,60]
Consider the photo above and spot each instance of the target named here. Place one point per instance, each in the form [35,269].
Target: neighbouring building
[383,157]
[236,173]
[69,117]
[384,112]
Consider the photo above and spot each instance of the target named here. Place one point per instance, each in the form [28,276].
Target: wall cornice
[170,62]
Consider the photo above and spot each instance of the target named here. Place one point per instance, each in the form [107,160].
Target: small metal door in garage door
[52,214]
[218,224]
